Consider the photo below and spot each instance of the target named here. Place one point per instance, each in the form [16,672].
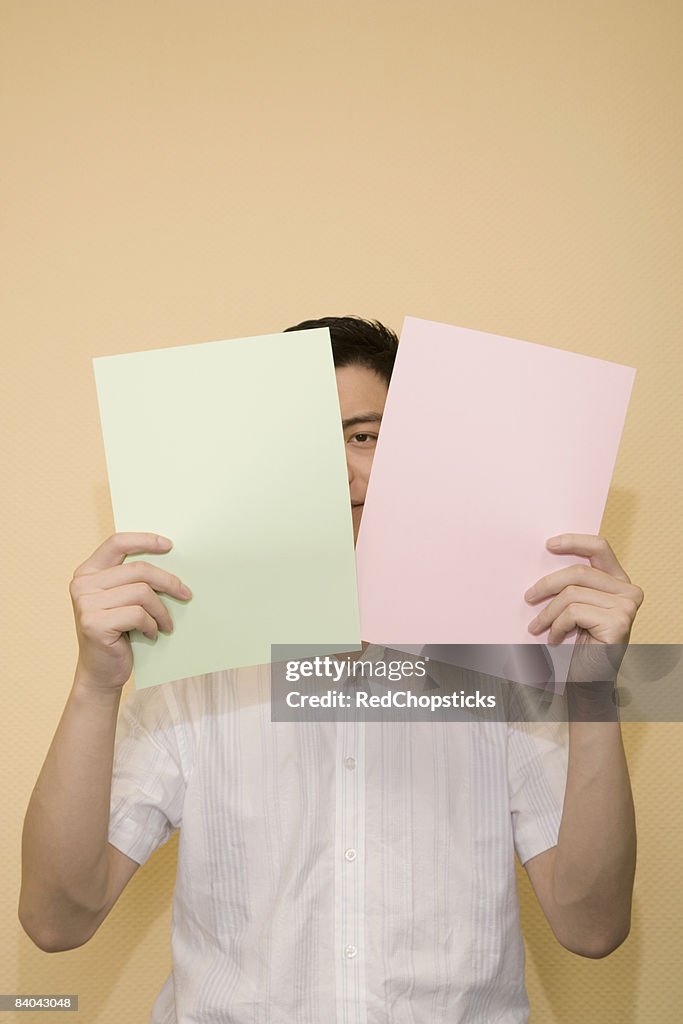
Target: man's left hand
[597,599]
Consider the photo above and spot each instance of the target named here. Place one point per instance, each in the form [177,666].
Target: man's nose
[349,470]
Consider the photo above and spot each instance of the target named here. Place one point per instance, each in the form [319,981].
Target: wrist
[89,691]
[592,702]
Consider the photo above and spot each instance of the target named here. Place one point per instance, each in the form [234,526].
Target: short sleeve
[148,781]
[537,778]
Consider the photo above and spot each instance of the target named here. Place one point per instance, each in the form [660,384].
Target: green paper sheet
[234,449]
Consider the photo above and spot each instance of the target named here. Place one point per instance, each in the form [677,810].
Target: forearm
[64,843]
[595,859]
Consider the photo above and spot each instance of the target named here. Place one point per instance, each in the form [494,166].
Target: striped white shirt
[340,871]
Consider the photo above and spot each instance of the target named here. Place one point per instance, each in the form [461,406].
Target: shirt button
[350,763]
[350,952]
[350,854]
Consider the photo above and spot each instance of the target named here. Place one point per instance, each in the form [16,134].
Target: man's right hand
[110,597]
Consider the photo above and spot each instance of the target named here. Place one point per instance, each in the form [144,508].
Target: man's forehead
[361,390]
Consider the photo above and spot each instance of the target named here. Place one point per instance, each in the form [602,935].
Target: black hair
[358,342]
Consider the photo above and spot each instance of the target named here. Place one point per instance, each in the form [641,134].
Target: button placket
[348,878]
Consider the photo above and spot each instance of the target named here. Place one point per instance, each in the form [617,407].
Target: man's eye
[363,438]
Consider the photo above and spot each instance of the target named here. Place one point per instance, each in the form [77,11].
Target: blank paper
[488,446]
[234,449]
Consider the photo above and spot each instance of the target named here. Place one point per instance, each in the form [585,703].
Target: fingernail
[164,542]
[554,542]
[185,591]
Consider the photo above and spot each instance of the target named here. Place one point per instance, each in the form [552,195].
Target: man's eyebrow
[364,417]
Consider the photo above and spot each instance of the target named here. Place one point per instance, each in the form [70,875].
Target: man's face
[362,394]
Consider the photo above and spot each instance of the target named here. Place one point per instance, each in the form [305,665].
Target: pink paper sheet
[488,446]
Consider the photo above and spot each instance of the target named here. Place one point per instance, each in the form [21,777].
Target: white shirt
[341,871]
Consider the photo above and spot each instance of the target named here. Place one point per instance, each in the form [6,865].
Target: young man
[329,871]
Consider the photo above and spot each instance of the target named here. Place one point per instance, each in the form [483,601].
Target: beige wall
[187,171]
